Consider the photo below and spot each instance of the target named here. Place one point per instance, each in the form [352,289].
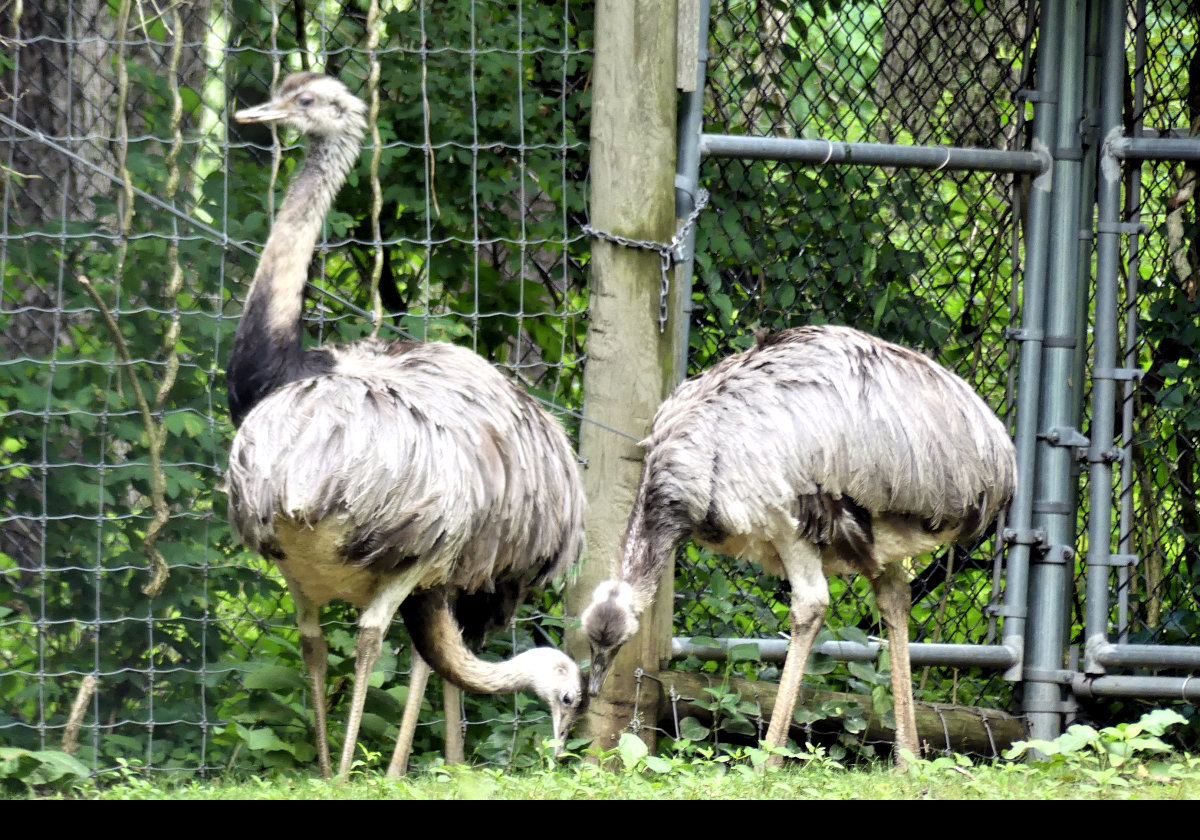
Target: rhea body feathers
[409,457]
[387,473]
[821,450]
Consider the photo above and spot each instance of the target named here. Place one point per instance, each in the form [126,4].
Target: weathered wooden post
[630,354]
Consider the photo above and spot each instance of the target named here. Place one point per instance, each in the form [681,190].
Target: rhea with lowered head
[821,450]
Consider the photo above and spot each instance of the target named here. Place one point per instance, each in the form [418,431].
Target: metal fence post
[687,185]
[1102,454]
[1024,540]
[1055,485]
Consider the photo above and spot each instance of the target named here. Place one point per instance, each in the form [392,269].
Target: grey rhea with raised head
[388,473]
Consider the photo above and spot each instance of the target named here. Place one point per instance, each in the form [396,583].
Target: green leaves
[632,749]
[274,678]
[29,770]
[1110,747]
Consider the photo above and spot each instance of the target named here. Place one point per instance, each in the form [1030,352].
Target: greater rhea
[821,450]
[382,473]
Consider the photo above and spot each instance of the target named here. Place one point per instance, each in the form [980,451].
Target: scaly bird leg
[810,600]
[408,724]
[315,653]
[316,657]
[366,653]
[372,628]
[895,603]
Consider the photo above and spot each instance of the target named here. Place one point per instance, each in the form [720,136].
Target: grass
[1126,761]
[729,777]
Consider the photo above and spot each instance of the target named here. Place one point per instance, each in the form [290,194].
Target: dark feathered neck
[267,349]
[653,532]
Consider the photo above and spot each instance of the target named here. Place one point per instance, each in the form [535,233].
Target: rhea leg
[372,627]
[412,708]
[895,603]
[810,600]
[315,653]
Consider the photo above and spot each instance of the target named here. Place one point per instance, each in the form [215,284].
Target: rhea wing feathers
[426,451]
[833,411]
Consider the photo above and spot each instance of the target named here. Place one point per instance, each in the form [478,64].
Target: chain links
[669,253]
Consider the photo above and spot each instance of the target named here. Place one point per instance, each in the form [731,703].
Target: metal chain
[669,253]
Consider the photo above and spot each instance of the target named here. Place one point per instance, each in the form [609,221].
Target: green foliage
[714,777]
[31,771]
[1105,753]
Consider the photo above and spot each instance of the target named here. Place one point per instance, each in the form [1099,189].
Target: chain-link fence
[928,260]
[935,260]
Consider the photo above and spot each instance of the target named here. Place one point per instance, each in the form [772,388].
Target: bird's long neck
[437,637]
[650,540]
[267,343]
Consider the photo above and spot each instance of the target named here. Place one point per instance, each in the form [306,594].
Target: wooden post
[630,367]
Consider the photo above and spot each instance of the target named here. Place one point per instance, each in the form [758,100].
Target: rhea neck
[438,639]
[649,544]
[267,348]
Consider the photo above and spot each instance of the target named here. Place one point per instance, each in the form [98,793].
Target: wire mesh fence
[123,167]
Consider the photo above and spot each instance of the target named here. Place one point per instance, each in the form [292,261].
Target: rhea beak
[267,112]
[563,714]
[562,717]
[599,671]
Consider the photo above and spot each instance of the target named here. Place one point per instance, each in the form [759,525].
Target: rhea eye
[305,101]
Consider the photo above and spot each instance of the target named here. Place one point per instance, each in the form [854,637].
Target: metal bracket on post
[1058,554]
[1053,508]
[1128,228]
[1033,95]
[1064,436]
[1002,611]
[1033,537]
[1119,374]
[1053,677]
[1104,456]
[1119,561]
[1069,437]
[1066,342]
[1023,334]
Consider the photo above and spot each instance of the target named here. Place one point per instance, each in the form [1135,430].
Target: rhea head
[315,104]
[608,622]
[556,678]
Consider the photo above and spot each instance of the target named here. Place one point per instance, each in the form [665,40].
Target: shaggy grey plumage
[378,471]
[821,450]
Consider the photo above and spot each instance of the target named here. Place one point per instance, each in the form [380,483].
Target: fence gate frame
[1078,150]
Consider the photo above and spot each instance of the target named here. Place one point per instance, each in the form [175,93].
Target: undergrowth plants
[1113,754]
[1123,761]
